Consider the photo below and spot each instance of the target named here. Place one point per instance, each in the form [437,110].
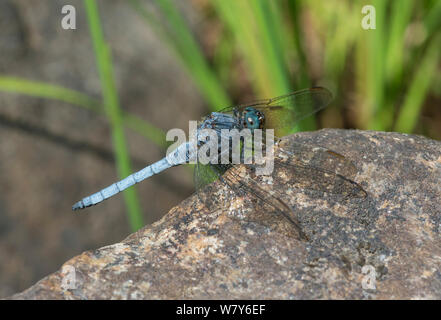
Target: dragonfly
[311,167]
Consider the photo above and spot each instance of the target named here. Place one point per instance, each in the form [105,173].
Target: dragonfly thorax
[228,129]
[218,121]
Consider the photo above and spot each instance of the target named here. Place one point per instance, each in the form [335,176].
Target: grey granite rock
[382,246]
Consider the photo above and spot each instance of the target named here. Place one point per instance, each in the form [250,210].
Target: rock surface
[384,246]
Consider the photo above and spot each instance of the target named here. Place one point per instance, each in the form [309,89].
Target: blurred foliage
[113,112]
[382,79]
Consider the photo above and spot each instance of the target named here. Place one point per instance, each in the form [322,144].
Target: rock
[385,245]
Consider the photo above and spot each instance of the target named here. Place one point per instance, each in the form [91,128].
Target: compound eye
[252,121]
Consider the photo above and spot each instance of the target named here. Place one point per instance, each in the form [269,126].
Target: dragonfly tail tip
[77,206]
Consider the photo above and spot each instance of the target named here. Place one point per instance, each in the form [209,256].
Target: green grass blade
[111,103]
[401,12]
[181,40]
[257,28]
[238,17]
[46,90]
[271,46]
[49,91]
[433,18]
[375,69]
[295,10]
[144,128]
[408,115]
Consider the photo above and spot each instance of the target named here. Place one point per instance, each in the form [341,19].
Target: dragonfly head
[253,118]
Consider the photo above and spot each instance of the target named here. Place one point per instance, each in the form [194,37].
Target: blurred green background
[81,108]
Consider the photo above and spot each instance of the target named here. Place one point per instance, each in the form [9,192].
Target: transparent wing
[309,168]
[315,167]
[244,196]
[318,168]
[204,175]
[282,113]
[270,195]
[296,167]
[268,208]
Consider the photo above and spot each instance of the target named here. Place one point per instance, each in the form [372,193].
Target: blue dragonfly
[312,168]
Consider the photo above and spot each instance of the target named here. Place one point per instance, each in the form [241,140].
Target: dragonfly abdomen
[179,156]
